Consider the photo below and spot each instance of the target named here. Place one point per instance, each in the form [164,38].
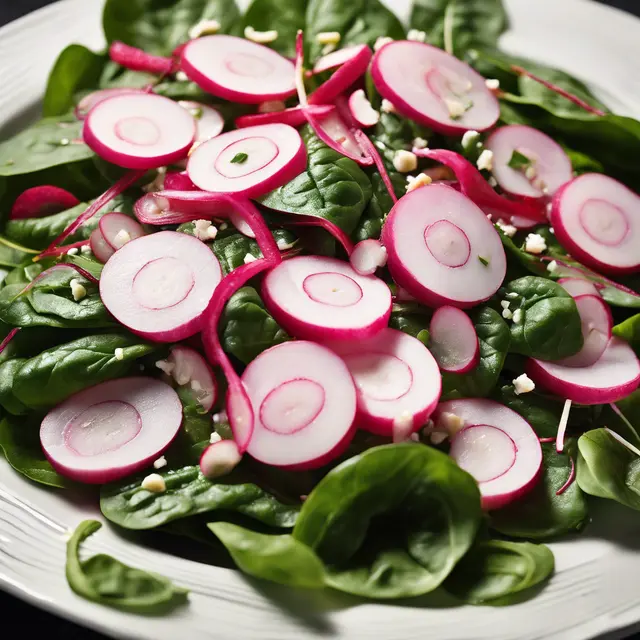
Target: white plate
[595,590]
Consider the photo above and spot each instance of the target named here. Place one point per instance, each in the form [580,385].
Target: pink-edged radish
[344,77]
[189,368]
[304,402]
[209,121]
[397,379]
[597,219]
[250,162]
[238,70]
[96,97]
[453,340]
[139,60]
[100,248]
[294,116]
[336,59]
[361,110]
[597,324]
[578,287]
[497,447]
[318,298]
[527,162]
[160,285]
[612,377]
[434,88]
[372,152]
[442,248]
[111,430]
[219,459]
[367,256]
[178,181]
[42,201]
[140,131]
[117,229]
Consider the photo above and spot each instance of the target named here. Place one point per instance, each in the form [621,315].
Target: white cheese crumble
[121,238]
[437,437]
[470,138]
[419,143]
[535,243]
[328,37]
[215,437]
[387,106]
[160,462]
[381,41]
[271,106]
[508,229]
[421,180]
[405,161]
[220,417]
[204,27]
[73,251]
[85,250]
[493,84]
[119,353]
[181,76]
[512,294]
[507,314]
[504,304]
[77,290]
[552,266]
[417,35]
[523,384]
[456,108]
[485,161]
[517,316]
[552,231]
[249,258]
[165,366]
[154,483]
[492,182]
[283,245]
[449,422]
[261,37]
[204,230]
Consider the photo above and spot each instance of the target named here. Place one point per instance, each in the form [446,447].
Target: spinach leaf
[416,491]
[30,342]
[550,326]
[285,16]
[629,330]
[108,581]
[358,21]
[497,572]
[530,262]
[607,469]
[159,26]
[494,338]
[333,187]
[278,558]
[189,493]
[412,319]
[59,372]
[8,400]
[247,327]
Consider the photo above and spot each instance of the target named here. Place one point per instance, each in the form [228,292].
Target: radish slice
[160,285]
[209,122]
[42,201]
[497,447]
[543,164]
[118,229]
[345,76]
[442,249]
[367,256]
[453,340]
[304,401]
[238,70]
[597,219]
[100,248]
[362,111]
[370,149]
[317,298]
[397,379]
[178,181]
[578,287]
[434,88]
[612,377]
[597,324]
[93,99]
[111,430]
[294,117]
[190,368]
[219,459]
[336,59]
[139,60]
[139,131]
[250,161]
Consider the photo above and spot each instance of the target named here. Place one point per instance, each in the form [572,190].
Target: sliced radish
[542,164]
[209,122]
[362,111]
[294,117]
[238,70]
[139,131]
[453,340]
[220,458]
[370,149]
[250,161]
[42,201]
[442,249]
[578,287]
[111,430]
[434,88]
[100,248]
[336,59]
[191,369]
[597,219]
[178,181]
[497,447]
[397,379]
[94,99]
[319,298]
[160,285]
[367,257]
[612,377]
[304,401]
[139,60]
[117,229]
[344,77]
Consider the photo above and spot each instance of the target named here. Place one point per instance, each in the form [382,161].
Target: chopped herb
[196,112]
[484,261]
[239,158]
[519,161]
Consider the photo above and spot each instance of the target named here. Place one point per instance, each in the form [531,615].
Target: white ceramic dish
[595,590]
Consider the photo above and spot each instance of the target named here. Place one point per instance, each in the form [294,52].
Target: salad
[355,306]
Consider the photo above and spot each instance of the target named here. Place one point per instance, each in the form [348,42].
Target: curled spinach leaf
[629,330]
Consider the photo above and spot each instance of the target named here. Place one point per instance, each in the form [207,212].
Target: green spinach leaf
[629,330]
[412,319]
[8,400]
[285,16]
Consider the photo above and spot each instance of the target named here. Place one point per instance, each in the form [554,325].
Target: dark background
[16,614]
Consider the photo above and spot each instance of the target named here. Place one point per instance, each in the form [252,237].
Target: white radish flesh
[93,99]
[578,287]
[317,298]
[220,458]
[304,402]
[362,111]
[497,447]
[209,122]
[118,229]
[597,219]
[397,379]
[442,248]
[612,377]
[100,248]
[336,59]
[434,88]
[160,285]
[238,70]
[367,256]
[191,369]
[111,430]
[139,131]
[453,340]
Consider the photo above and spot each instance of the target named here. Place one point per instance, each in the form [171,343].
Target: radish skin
[335,59]
[100,248]
[178,181]
[42,201]
[453,340]
[95,98]
[117,229]
[294,116]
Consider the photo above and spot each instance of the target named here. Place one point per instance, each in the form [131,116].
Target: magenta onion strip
[570,479]
[42,201]
[139,60]
[60,251]
[373,153]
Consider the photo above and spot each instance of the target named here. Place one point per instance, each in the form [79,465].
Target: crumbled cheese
[204,230]
[220,417]
[219,461]
[405,161]
[283,245]
[507,314]
[504,304]
[196,386]
[271,106]
[402,426]
[530,172]
[387,106]
[85,250]
[121,238]
[249,258]
[535,243]
[215,437]
[456,108]
[449,422]
[552,266]
[154,483]
[492,182]
[523,384]
[181,76]
[469,139]
[508,229]
[224,226]
[517,316]
[512,294]
[165,367]
[414,437]
[417,35]
[493,84]
[73,251]
[422,180]
[419,143]
[552,231]
[204,27]
[119,353]
[485,161]
[438,437]
[160,462]
[261,37]
[328,37]
[381,41]
[77,290]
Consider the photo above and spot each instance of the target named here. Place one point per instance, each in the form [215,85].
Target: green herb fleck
[484,261]
[519,161]
[239,158]
[196,112]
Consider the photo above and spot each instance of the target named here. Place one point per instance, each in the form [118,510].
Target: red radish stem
[623,441]
[60,251]
[10,336]
[546,440]
[93,99]
[42,201]
[562,426]
[371,150]
[58,267]
[622,417]
[220,458]
[299,70]
[453,340]
[294,116]
[521,71]
[570,479]
[139,60]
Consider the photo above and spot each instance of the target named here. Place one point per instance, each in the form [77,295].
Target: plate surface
[595,590]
